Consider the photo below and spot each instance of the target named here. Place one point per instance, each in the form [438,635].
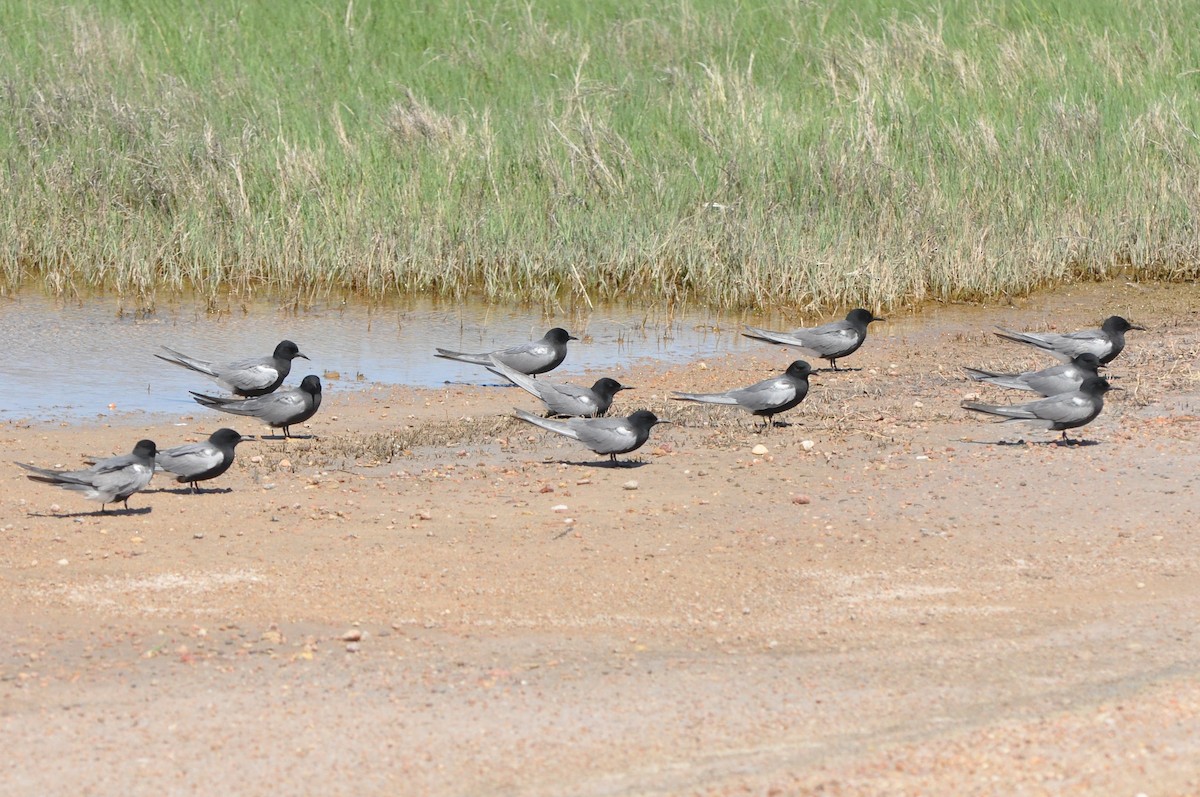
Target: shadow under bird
[1105,343]
[535,357]
[279,410]
[830,341]
[1048,381]
[564,399]
[766,398]
[605,436]
[247,378]
[197,462]
[108,480]
[1055,413]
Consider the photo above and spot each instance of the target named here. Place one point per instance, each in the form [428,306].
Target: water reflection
[89,357]
[86,358]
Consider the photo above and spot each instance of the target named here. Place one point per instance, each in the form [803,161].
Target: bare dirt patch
[433,598]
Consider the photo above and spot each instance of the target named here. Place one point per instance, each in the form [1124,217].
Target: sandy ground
[433,599]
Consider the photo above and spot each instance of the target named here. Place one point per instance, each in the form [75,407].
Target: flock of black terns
[1073,396]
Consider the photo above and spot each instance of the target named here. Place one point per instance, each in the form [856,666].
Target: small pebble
[630,485]
[353,635]
[807,445]
[759,450]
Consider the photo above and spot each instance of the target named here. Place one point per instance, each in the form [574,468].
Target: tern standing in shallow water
[830,341]
[248,378]
[535,357]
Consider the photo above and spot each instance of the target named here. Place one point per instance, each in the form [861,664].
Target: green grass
[782,153]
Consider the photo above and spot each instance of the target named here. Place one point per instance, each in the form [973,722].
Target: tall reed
[791,153]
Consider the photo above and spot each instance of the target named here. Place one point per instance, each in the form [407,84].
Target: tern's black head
[644,419]
[311,384]
[1086,360]
[1114,323]
[286,350]
[227,437]
[608,387]
[799,370]
[145,448]
[861,317]
[1095,386]
[558,336]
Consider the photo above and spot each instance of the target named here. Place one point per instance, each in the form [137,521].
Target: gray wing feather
[706,398]
[565,428]
[765,395]
[1064,347]
[569,400]
[825,340]
[527,357]
[607,435]
[188,459]
[249,374]
[1067,408]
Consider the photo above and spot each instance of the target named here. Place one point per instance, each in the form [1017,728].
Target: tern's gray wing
[1067,410]
[1048,381]
[835,339]
[560,399]
[249,375]
[533,357]
[190,459]
[607,435]
[112,465]
[708,398]
[274,409]
[1055,380]
[1089,341]
[121,482]
[280,409]
[567,428]
[1064,347]
[567,399]
[768,394]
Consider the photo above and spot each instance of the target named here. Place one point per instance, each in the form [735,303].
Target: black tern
[278,410]
[830,341]
[1048,381]
[247,378]
[197,462]
[1056,413]
[1106,342]
[611,436]
[766,398]
[564,399]
[109,480]
[535,357]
